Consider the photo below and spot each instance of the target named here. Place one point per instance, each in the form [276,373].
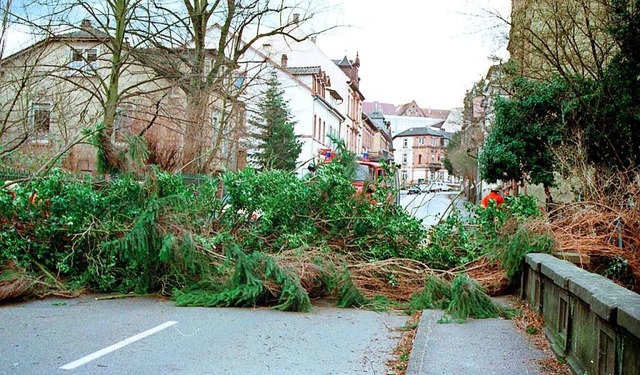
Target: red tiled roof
[436,113]
[393,110]
[402,108]
[385,108]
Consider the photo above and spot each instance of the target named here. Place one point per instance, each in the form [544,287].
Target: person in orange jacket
[494,195]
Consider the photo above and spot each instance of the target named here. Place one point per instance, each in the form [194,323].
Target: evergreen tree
[278,146]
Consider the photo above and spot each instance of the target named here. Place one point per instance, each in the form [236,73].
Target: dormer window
[84,59]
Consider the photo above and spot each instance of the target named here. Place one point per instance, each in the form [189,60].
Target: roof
[304,70]
[436,113]
[85,32]
[403,108]
[385,108]
[397,110]
[344,62]
[424,131]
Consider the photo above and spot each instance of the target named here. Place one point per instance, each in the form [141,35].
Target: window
[84,59]
[419,159]
[122,123]
[445,142]
[92,57]
[405,175]
[433,158]
[434,142]
[239,81]
[41,120]
[324,131]
[405,142]
[421,141]
[77,61]
[315,121]
[404,158]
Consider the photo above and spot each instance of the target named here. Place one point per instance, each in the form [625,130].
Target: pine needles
[435,294]
[257,279]
[463,298]
[469,300]
[348,293]
[13,284]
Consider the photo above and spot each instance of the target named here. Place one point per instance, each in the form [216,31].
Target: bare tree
[565,37]
[176,65]
[204,56]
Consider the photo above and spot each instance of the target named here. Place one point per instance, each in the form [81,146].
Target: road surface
[151,336]
[428,207]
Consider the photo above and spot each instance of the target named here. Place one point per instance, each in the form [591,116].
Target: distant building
[406,116]
[382,142]
[420,154]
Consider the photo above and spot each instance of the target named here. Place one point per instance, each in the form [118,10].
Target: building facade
[420,154]
[323,94]
[53,101]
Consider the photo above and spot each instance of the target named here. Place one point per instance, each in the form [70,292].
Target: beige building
[420,154]
[566,37]
[53,99]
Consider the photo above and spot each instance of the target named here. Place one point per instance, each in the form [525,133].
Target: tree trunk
[549,199]
[195,134]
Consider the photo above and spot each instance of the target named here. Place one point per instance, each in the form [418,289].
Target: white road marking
[114,347]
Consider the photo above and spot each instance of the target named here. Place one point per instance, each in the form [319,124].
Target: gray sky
[430,51]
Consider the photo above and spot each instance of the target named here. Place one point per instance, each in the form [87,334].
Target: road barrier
[591,322]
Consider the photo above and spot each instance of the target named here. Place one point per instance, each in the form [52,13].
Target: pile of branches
[271,239]
[608,234]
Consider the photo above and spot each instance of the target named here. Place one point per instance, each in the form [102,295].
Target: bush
[495,232]
[162,235]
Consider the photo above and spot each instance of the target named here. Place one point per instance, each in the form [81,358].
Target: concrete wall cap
[629,316]
[609,297]
[535,259]
[560,271]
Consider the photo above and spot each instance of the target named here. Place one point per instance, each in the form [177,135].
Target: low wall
[590,321]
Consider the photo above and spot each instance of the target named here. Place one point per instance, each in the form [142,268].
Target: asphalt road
[428,207]
[150,336]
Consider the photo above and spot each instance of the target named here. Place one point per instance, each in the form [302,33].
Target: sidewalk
[476,347]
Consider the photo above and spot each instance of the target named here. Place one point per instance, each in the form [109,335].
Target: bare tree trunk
[549,199]
[195,134]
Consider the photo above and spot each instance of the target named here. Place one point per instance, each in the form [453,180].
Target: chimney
[267,48]
[284,60]
[296,18]
[85,24]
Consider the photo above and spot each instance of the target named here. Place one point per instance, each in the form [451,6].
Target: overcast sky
[430,51]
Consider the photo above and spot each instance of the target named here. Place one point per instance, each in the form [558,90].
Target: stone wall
[590,321]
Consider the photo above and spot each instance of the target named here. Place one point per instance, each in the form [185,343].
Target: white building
[323,95]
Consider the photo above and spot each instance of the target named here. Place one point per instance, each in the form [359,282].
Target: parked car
[438,186]
[414,190]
